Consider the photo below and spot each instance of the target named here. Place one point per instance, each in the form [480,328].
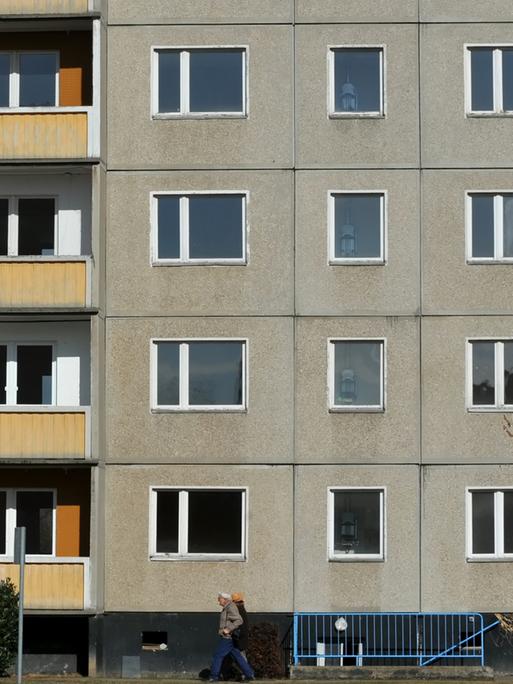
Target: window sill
[200,409]
[43,258]
[357,409]
[200,262]
[45,110]
[357,262]
[356,115]
[356,558]
[490,409]
[488,115]
[199,116]
[489,262]
[490,559]
[195,558]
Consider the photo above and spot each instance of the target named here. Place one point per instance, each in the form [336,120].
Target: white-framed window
[356,523]
[27,374]
[198,228]
[199,374]
[34,509]
[356,374]
[198,523]
[490,375]
[356,76]
[489,523]
[489,79]
[28,226]
[357,227]
[199,81]
[29,78]
[489,227]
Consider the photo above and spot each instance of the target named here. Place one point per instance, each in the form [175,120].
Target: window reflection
[215,373]
[357,373]
[37,79]
[358,220]
[483,373]
[357,80]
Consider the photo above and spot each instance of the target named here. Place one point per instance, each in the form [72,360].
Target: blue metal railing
[424,638]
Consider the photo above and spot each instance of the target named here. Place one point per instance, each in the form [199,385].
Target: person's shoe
[211,679]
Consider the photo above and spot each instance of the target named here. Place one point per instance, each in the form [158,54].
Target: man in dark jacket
[229,620]
[242,640]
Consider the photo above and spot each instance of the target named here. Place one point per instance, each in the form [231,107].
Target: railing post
[295,639]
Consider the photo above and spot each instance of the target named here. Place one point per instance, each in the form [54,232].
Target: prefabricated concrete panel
[357,11]
[460,11]
[263,286]
[133,582]
[345,289]
[262,434]
[391,436]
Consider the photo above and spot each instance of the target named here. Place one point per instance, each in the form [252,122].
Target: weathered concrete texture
[449,137]
[312,11]
[390,141]
[392,673]
[449,581]
[465,10]
[392,288]
[452,434]
[450,285]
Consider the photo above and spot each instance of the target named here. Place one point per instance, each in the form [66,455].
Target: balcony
[53,584]
[45,7]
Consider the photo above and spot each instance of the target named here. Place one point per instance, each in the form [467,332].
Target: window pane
[167,522]
[34,374]
[357,226]
[37,80]
[507,80]
[357,522]
[168,227]
[3,513]
[5,68]
[215,227]
[215,522]
[169,81]
[216,81]
[508,225]
[215,373]
[508,521]
[34,511]
[483,373]
[482,226]
[3,373]
[4,224]
[357,80]
[482,79]
[168,373]
[357,373]
[508,372]
[36,232]
[483,540]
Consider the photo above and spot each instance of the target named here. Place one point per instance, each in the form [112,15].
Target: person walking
[241,639]
[229,621]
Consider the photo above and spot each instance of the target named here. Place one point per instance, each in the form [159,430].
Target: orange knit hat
[237,597]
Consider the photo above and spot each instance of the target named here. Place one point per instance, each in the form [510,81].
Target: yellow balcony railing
[44,6]
[59,584]
[26,282]
[44,432]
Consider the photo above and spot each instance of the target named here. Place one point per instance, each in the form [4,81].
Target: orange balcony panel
[43,283]
[60,135]
[43,6]
[43,434]
[50,586]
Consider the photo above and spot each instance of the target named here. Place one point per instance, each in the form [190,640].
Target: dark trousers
[225,647]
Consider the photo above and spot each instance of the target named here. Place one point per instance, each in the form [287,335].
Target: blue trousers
[225,647]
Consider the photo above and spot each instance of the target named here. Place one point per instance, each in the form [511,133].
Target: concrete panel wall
[451,434]
[449,137]
[389,585]
[449,581]
[333,11]
[459,11]
[263,286]
[450,284]
[391,436]
[383,142]
[193,585]
[338,289]
[263,434]
[137,141]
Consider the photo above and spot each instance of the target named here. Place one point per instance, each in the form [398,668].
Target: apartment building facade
[256,329]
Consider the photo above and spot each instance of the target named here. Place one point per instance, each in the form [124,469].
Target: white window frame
[499,404]
[357,261]
[183,501]
[12,371]
[349,557]
[497,79]
[185,112]
[498,520]
[498,227]
[332,112]
[10,522]
[335,408]
[13,224]
[184,258]
[14,79]
[184,405]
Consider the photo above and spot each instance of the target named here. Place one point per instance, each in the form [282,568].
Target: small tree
[264,651]
[8,624]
